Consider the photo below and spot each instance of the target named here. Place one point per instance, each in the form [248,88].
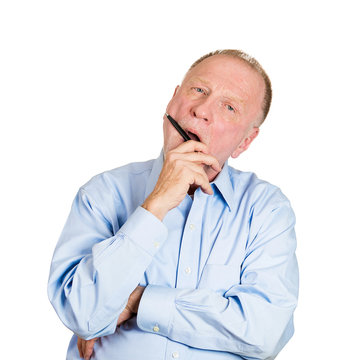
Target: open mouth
[193,136]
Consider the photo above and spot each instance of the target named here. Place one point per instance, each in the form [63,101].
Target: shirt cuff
[149,232]
[156,309]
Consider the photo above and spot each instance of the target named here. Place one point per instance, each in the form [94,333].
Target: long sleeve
[220,271]
[96,265]
[253,318]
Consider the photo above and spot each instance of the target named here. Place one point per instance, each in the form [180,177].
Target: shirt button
[188,270]
[175,355]
[192,227]
[156,328]
[156,244]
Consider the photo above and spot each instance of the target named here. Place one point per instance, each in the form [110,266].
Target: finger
[203,183]
[197,176]
[190,146]
[89,346]
[124,315]
[80,349]
[201,158]
[83,347]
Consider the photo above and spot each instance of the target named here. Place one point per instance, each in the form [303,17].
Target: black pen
[178,128]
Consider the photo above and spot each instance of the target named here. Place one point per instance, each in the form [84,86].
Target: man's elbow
[78,320]
[267,346]
[88,328]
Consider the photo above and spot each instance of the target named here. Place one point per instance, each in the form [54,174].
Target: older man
[183,256]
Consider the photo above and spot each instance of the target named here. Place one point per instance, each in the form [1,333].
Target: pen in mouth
[178,128]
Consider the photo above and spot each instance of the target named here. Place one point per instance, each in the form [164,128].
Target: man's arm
[86,347]
[252,319]
[94,270]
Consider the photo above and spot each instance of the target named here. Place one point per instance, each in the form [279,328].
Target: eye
[230,108]
[200,90]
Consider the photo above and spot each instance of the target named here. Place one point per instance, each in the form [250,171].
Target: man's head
[223,99]
[251,61]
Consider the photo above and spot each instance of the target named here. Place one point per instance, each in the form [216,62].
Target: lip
[193,131]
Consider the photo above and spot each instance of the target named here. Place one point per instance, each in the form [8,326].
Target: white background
[83,87]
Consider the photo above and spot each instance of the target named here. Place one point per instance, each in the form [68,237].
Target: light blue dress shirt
[220,271]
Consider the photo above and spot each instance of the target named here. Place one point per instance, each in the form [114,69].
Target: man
[183,256]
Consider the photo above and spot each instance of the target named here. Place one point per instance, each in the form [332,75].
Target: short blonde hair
[253,63]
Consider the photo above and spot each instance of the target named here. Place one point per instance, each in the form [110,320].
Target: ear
[245,143]
[175,90]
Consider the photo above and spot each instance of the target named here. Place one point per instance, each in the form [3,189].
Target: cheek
[165,127]
[224,139]
[171,138]
[177,106]
[166,132]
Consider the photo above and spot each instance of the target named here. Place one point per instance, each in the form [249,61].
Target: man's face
[220,102]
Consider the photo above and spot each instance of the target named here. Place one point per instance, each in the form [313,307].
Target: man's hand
[132,305]
[183,168]
[86,347]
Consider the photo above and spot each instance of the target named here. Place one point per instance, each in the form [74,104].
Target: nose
[202,110]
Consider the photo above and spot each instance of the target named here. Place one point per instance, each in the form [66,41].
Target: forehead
[229,74]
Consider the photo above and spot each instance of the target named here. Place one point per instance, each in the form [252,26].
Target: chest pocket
[219,278]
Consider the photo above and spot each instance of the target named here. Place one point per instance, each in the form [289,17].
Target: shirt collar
[224,184]
[223,181]
[154,175]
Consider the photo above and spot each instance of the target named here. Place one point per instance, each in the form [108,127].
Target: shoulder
[254,191]
[122,180]
[267,210]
